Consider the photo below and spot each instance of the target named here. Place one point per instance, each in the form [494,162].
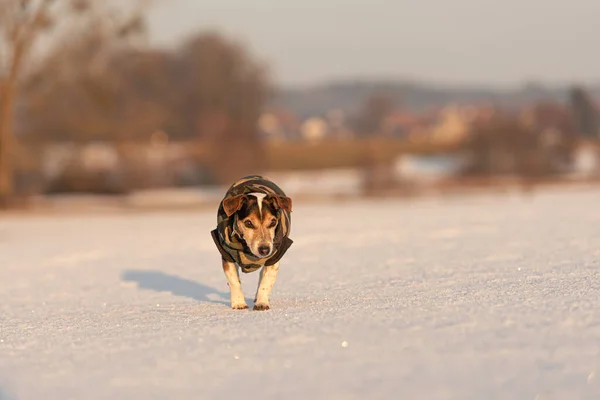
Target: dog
[253,227]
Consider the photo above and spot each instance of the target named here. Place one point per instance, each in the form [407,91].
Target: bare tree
[586,115]
[210,90]
[221,92]
[24,25]
[83,91]
[372,116]
[505,145]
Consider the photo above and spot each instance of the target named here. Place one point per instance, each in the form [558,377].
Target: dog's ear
[281,202]
[233,204]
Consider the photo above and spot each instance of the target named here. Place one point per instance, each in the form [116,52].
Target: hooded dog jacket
[230,242]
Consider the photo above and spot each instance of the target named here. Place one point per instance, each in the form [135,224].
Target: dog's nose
[264,250]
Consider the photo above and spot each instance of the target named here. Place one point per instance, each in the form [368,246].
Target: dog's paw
[239,306]
[261,307]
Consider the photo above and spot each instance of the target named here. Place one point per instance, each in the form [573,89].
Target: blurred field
[340,153]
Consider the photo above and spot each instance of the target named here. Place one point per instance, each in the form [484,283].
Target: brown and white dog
[253,226]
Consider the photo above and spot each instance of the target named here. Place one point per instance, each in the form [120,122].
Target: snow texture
[486,297]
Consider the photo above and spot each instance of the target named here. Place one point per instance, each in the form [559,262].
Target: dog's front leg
[238,301]
[268,275]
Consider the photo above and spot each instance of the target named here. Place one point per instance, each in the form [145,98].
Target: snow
[486,297]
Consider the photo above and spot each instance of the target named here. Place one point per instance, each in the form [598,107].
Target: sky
[476,42]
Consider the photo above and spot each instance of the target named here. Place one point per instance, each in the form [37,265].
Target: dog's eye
[273,223]
[249,224]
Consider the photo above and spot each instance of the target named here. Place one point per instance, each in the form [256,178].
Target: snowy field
[489,297]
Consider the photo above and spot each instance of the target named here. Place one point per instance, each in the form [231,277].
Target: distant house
[314,129]
[269,127]
[278,124]
[454,123]
[586,161]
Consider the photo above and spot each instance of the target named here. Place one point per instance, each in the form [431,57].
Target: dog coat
[229,241]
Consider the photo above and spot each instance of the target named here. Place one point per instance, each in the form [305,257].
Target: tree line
[80,71]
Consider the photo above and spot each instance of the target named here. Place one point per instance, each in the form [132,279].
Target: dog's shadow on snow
[160,282]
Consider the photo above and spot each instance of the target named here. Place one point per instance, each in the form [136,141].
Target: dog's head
[257,219]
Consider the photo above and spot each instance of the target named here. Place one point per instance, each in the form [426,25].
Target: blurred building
[453,124]
[279,124]
[586,160]
[314,129]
